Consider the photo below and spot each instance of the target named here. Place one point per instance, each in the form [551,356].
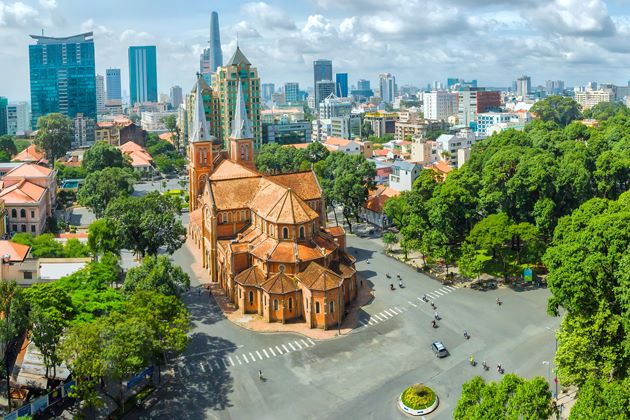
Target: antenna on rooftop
[237,40]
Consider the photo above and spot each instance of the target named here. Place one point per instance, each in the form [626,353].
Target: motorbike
[391,287]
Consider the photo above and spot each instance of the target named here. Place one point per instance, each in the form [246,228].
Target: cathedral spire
[200,131]
[241,126]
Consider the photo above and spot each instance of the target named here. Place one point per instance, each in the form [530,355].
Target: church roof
[241,126]
[234,193]
[305,184]
[316,277]
[253,276]
[238,58]
[290,210]
[227,169]
[280,284]
[200,128]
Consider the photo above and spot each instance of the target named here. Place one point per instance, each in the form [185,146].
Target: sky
[419,41]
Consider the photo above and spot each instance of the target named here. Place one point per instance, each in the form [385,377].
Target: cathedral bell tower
[200,156]
[241,141]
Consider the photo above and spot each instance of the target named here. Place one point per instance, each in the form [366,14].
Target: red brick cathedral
[264,237]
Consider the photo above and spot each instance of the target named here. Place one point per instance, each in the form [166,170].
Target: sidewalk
[256,323]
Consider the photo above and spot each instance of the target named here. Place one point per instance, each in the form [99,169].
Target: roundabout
[418,400]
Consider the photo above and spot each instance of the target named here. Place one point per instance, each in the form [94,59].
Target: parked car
[439,349]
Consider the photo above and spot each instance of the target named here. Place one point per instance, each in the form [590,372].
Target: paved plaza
[359,374]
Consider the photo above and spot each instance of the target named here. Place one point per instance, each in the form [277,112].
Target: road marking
[258,353]
[362,322]
[253,357]
[231,361]
[245,358]
[451,288]
[311,341]
[265,351]
[387,311]
[377,317]
[372,320]
[285,348]
[291,345]
[217,364]
[398,309]
[203,369]
[298,344]
[412,304]
[305,343]
[272,352]
[237,359]
[445,290]
[437,293]
[279,351]
[431,296]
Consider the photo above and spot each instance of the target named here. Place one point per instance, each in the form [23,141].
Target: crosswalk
[209,364]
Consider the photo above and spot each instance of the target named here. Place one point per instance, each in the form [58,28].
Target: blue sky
[419,41]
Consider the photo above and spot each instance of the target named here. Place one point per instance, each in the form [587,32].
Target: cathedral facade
[263,238]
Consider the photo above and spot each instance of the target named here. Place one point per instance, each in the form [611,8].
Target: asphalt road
[362,374]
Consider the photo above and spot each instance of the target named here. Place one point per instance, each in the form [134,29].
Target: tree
[170,122]
[146,224]
[7,145]
[42,246]
[102,155]
[559,109]
[390,239]
[599,399]
[12,323]
[54,135]
[472,261]
[75,249]
[158,274]
[70,172]
[103,238]
[101,187]
[47,326]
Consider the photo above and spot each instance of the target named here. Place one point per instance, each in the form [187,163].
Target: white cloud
[48,4]
[270,16]
[245,30]
[16,14]
[573,17]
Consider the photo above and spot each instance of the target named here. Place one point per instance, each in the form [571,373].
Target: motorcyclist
[466,334]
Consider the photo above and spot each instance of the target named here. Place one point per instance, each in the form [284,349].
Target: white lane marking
[398,309]
[217,364]
[437,293]
[203,369]
[311,341]
[305,343]
[291,345]
[451,288]
[237,359]
[265,351]
[412,304]
[445,290]
[245,358]
[279,351]
[272,352]
[298,344]
[431,296]
[258,353]
[379,318]
[362,322]
[231,361]
[253,357]
[372,320]
[392,313]
[285,348]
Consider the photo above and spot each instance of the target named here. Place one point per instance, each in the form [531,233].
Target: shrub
[418,397]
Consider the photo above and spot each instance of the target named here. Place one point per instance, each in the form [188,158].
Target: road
[362,374]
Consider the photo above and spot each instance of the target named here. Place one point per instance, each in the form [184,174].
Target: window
[251,297]
[13,213]
[275,304]
[28,275]
[23,228]
[32,228]
[33,213]
[240,293]
[332,306]
[285,233]
[290,304]
[301,232]
[316,307]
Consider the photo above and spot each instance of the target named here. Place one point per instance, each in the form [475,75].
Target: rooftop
[16,252]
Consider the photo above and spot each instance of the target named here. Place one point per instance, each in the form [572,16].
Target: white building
[439,105]
[348,147]
[83,131]
[333,106]
[18,118]
[346,127]
[589,98]
[100,95]
[486,120]
[403,175]
[449,144]
[388,87]
[321,129]
[152,121]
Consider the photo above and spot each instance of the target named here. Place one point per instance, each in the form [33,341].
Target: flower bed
[418,400]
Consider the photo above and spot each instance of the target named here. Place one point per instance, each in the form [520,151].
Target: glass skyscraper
[341,81]
[322,71]
[63,78]
[143,74]
[4,115]
[112,80]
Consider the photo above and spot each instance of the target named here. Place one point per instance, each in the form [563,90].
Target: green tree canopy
[101,187]
[102,155]
[559,109]
[158,274]
[12,322]
[103,237]
[7,145]
[54,135]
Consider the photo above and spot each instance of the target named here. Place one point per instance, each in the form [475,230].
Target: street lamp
[555,379]
[548,364]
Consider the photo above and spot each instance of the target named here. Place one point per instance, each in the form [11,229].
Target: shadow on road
[202,306]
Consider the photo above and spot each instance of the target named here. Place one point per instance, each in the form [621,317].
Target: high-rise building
[212,56]
[143,74]
[554,87]
[176,96]
[112,79]
[100,95]
[523,86]
[341,81]
[439,104]
[472,101]
[18,118]
[236,74]
[4,115]
[291,92]
[456,83]
[62,75]
[323,89]
[589,98]
[333,106]
[322,70]
[268,89]
[388,87]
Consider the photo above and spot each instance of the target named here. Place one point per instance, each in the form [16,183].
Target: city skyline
[568,40]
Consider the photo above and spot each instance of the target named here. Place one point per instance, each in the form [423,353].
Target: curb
[422,412]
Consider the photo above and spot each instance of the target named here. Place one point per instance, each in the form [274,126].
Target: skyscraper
[388,87]
[18,118]
[100,95]
[523,86]
[143,74]
[322,70]
[62,76]
[176,96]
[323,89]
[112,79]
[268,89]
[236,74]
[341,82]
[212,56]
[4,116]
[292,92]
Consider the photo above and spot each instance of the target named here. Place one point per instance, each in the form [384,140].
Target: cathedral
[264,238]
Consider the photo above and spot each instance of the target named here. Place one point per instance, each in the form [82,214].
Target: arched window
[251,297]
[285,233]
[275,304]
[22,213]
[13,213]
[332,306]
[290,304]
[316,307]
[301,232]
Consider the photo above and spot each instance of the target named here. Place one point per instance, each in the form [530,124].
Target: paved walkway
[256,323]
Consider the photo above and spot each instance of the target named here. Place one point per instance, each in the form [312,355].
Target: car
[439,349]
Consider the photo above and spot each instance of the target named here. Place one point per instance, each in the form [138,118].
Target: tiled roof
[253,276]
[337,141]
[234,193]
[336,230]
[290,210]
[22,193]
[230,170]
[377,198]
[442,167]
[342,269]
[279,284]
[303,183]
[16,252]
[30,170]
[296,145]
[138,154]
[30,154]
[316,277]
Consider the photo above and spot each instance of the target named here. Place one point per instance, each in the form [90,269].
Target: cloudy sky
[419,41]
